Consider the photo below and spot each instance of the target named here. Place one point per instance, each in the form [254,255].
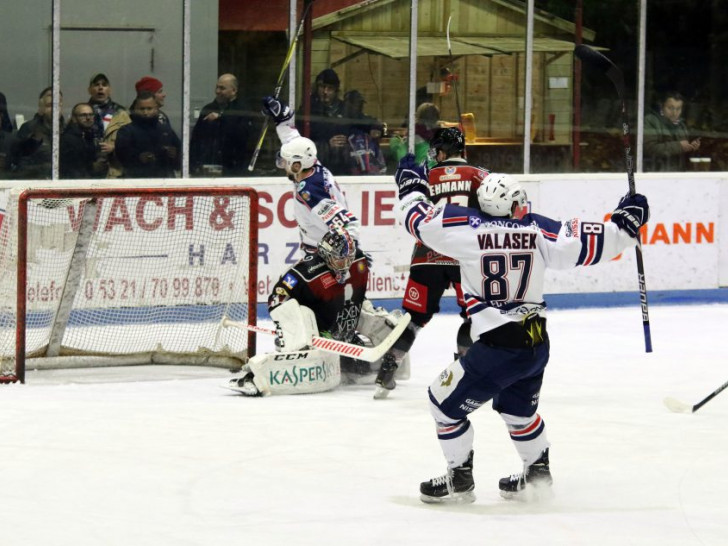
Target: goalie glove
[631,213]
[278,110]
[411,177]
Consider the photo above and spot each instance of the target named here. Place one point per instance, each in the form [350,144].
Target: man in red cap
[153,85]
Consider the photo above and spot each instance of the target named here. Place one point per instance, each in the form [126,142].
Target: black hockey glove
[276,109]
[410,176]
[631,213]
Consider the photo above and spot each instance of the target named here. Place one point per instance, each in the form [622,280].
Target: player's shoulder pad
[313,186]
[310,267]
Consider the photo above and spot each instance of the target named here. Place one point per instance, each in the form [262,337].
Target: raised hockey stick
[681,407]
[368,354]
[455,82]
[603,64]
[279,85]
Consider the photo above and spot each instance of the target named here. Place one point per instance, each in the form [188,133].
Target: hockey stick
[368,354]
[279,84]
[600,62]
[681,407]
[455,82]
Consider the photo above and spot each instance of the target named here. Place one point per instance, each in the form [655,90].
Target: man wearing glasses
[80,156]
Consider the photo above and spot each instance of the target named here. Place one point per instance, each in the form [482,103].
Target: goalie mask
[498,194]
[337,248]
[299,150]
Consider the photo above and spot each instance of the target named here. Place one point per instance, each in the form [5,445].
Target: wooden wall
[492,88]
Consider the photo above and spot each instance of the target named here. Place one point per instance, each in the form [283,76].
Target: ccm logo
[291,356]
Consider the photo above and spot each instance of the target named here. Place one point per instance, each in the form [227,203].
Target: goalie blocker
[299,368]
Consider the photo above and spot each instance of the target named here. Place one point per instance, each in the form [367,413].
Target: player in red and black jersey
[332,283]
[451,180]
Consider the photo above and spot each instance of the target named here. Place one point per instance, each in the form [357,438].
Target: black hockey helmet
[448,139]
[337,248]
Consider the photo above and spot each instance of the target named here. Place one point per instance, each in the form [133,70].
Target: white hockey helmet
[498,193]
[299,150]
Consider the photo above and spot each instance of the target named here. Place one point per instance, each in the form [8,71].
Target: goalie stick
[603,64]
[342,348]
[681,407]
[279,84]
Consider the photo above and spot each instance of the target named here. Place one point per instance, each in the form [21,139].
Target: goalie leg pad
[376,324]
[295,372]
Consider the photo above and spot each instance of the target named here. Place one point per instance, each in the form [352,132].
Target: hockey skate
[455,487]
[385,378]
[534,484]
[244,385]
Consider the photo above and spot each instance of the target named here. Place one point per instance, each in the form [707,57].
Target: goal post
[119,276]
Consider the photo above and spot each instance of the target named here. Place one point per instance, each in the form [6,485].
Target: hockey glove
[410,177]
[631,213]
[278,110]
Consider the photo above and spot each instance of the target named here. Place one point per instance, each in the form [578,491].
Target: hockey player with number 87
[502,263]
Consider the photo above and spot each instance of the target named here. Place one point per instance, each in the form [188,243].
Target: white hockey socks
[528,435]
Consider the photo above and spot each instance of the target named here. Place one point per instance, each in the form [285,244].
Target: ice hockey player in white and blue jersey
[319,203]
[502,261]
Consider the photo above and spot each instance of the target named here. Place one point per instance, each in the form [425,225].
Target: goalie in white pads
[502,263]
[321,295]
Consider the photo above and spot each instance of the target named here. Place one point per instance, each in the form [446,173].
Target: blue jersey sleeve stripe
[591,249]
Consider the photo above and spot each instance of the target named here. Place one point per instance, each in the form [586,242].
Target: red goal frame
[108,192]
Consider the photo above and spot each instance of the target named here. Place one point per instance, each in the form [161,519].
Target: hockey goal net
[108,276]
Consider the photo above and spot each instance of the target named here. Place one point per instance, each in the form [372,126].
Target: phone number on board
[152,288]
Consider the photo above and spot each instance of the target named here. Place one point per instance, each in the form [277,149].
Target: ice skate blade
[530,494]
[380,393]
[232,386]
[456,498]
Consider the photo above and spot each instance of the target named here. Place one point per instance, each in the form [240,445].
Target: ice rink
[164,456]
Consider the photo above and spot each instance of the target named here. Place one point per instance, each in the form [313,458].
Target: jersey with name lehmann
[452,181]
[503,260]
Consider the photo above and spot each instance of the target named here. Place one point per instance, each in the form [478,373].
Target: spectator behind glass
[31,149]
[6,130]
[327,127]
[427,120]
[144,147]
[153,85]
[666,139]
[99,91]
[363,135]
[80,156]
[219,142]
[122,117]
[6,126]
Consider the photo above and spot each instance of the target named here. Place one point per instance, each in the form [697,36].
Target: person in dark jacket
[328,128]
[219,142]
[31,149]
[6,130]
[144,147]
[667,141]
[79,152]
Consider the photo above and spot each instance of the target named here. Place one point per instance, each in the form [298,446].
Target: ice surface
[164,456]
